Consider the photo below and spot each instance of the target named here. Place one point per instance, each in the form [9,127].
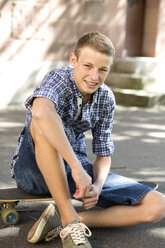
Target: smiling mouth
[93,84]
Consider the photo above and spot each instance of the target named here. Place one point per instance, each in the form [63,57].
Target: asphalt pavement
[139,137]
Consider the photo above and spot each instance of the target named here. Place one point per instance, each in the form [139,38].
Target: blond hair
[96,41]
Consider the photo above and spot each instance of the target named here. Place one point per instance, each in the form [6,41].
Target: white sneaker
[74,235]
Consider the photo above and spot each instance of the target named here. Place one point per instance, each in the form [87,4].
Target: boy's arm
[101,169]
[47,119]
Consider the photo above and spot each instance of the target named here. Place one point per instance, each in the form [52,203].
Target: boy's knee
[154,207]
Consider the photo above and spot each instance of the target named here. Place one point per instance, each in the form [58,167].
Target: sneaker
[74,235]
[47,227]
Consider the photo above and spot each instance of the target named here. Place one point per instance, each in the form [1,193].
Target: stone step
[138,98]
[136,65]
[130,81]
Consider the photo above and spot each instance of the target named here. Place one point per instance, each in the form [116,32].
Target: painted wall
[48,29]
[38,35]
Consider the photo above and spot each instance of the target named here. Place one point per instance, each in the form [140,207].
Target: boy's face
[90,69]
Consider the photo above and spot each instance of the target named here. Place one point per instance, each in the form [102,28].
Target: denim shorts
[117,190]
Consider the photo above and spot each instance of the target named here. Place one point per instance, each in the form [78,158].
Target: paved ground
[139,136]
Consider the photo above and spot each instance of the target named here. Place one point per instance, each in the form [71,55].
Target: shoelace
[77,231]
[53,233]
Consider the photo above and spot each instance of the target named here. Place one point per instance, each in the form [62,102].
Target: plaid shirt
[97,115]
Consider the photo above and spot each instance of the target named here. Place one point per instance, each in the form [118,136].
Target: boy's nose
[94,75]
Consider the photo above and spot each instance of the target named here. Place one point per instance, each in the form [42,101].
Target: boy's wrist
[75,165]
[99,186]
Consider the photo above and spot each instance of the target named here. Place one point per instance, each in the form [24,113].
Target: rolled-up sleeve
[49,88]
[45,92]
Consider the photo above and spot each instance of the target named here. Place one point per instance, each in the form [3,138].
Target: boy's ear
[73,59]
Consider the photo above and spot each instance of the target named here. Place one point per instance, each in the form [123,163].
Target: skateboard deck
[9,198]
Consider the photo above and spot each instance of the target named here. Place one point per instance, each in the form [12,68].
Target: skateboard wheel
[9,216]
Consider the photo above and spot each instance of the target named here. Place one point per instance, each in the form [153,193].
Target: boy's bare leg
[52,168]
[150,209]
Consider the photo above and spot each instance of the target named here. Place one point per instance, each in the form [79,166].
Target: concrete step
[138,98]
[130,81]
[138,81]
[136,65]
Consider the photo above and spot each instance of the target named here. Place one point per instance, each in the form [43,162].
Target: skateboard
[9,198]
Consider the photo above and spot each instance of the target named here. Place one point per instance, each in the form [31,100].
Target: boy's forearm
[101,169]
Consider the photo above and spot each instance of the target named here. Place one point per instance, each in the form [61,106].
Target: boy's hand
[83,181]
[91,197]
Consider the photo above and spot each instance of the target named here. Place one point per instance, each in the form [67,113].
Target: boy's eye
[88,66]
[104,70]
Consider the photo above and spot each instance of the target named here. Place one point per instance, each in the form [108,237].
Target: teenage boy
[51,156]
